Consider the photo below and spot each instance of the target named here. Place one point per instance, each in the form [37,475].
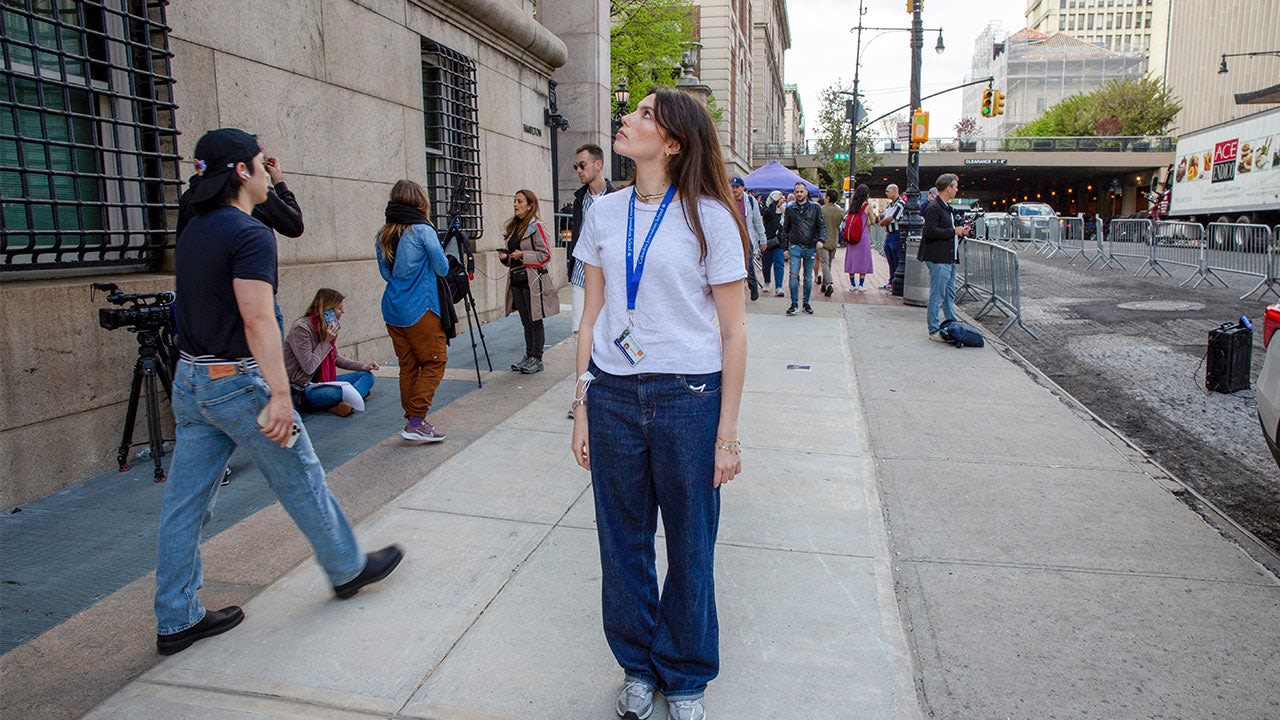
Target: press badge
[630,348]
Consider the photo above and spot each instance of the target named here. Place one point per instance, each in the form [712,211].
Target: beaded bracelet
[734,446]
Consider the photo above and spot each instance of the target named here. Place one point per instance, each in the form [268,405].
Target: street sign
[840,156]
[904,132]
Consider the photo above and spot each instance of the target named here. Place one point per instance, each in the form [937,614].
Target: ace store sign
[1224,160]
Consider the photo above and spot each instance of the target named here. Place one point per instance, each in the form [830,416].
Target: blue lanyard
[635,267]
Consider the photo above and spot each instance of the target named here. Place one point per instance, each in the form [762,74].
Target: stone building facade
[1128,27]
[351,95]
[770,40]
[726,67]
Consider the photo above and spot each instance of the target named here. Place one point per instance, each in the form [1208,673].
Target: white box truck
[1226,173]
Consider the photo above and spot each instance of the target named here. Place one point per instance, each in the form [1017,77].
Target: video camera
[146,311]
[967,217]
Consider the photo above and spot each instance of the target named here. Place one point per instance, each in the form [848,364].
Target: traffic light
[986,102]
[919,126]
[997,103]
[913,4]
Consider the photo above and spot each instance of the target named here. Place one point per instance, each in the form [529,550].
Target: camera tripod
[456,237]
[153,367]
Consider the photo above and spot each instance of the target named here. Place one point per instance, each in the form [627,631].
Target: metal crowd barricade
[974,273]
[1068,239]
[1001,284]
[1130,238]
[564,223]
[1248,250]
[1104,252]
[996,228]
[1182,244]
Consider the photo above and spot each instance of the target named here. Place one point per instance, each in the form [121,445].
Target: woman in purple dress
[857,256]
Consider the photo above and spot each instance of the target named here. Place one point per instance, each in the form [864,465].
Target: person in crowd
[231,371]
[311,357]
[589,164]
[802,230]
[772,259]
[832,216]
[410,258]
[530,288]
[280,212]
[857,257]
[939,241]
[749,208]
[890,220]
[661,360]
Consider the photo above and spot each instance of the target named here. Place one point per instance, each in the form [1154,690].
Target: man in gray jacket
[802,230]
[749,209]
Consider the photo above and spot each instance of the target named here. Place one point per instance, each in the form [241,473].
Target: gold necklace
[650,198]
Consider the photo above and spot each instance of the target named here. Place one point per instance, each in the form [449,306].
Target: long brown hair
[405,192]
[325,299]
[517,226]
[698,169]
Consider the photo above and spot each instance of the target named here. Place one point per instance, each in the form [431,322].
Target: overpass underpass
[1102,176]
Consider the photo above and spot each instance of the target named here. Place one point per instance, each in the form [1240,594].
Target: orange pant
[421,350]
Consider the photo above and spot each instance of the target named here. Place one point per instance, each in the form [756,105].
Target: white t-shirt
[675,318]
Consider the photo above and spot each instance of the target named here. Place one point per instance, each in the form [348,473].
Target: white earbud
[244,174]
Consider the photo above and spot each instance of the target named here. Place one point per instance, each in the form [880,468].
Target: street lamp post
[622,106]
[914,222]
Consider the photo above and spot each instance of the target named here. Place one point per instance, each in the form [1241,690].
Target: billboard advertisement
[1233,167]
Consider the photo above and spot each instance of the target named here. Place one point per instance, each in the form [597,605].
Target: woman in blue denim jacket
[662,351]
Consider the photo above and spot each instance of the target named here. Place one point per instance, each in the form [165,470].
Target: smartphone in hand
[331,319]
[294,431]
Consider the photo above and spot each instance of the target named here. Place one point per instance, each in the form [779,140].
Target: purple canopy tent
[776,176]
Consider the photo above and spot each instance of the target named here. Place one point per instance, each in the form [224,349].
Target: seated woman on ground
[311,357]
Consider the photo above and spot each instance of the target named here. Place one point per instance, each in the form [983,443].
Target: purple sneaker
[419,431]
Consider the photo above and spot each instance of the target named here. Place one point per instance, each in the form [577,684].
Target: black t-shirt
[212,250]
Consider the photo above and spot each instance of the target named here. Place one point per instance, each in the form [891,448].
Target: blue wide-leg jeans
[323,397]
[213,417]
[652,447]
[942,293]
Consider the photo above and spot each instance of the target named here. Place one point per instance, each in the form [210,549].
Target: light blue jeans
[942,293]
[213,417]
[800,253]
[323,397]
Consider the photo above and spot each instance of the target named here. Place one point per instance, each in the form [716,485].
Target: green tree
[1120,107]
[833,136]
[646,40]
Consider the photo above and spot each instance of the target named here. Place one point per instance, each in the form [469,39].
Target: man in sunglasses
[589,164]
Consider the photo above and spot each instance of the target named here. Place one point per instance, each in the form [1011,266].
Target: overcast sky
[822,52]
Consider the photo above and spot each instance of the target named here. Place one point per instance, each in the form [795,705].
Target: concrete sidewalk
[495,611]
[919,531]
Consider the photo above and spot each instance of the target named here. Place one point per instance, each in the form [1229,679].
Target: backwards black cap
[217,153]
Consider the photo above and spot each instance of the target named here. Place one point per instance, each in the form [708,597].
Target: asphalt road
[1132,350]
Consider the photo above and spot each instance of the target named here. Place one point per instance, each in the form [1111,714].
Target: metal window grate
[88,145]
[452,135]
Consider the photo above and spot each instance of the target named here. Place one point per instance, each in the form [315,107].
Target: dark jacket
[804,225]
[938,240]
[279,211]
[575,222]
[772,223]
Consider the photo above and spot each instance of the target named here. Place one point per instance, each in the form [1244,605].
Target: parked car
[1033,220]
[1268,385]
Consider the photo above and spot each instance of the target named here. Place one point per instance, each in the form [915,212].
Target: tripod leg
[472,332]
[154,436]
[130,416]
[471,302]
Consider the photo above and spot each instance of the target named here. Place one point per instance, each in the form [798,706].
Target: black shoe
[808,309]
[792,310]
[755,293]
[378,565]
[213,623]
[828,290]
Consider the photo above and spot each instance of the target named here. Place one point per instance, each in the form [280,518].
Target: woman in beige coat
[531,291]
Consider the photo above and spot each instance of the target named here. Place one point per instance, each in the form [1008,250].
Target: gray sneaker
[534,365]
[635,702]
[423,432]
[519,367]
[686,709]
